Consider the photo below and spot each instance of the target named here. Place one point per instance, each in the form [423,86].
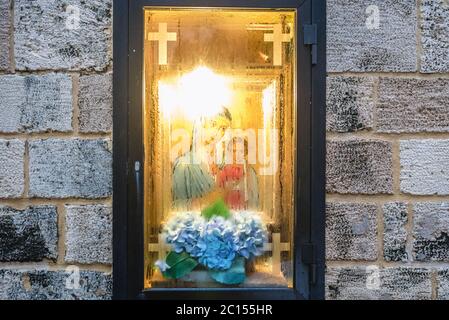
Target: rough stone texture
[431,231]
[349,103]
[88,234]
[61,168]
[43,41]
[5,16]
[28,235]
[425,167]
[435,36]
[359,166]
[54,285]
[351,231]
[11,168]
[359,283]
[395,234]
[35,103]
[443,284]
[352,46]
[413,105]
[95,103]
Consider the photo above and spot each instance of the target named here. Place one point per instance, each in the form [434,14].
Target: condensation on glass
[220,141]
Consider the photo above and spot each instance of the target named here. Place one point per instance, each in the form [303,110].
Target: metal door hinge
[308,256]
[311,38]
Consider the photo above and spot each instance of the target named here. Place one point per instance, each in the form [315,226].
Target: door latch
[137,170]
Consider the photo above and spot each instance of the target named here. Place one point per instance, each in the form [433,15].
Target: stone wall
[387,218]
[387,161]
[55,149]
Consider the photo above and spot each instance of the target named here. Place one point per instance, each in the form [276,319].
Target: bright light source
[269,101]
[200,93]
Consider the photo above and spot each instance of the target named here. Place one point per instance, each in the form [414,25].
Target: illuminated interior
[220,140]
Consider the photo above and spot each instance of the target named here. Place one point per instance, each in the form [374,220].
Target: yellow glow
[200,93]
[269,101]
[168,101]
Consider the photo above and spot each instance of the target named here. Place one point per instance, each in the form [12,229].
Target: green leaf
[218,208]
[180,265]
[234,275]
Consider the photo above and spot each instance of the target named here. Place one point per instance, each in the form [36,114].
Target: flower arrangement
[216,240]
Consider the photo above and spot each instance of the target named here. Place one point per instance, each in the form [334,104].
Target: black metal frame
[128,246]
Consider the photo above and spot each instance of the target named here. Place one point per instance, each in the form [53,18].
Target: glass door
[220,146]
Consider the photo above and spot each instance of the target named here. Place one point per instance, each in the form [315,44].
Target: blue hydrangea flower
[217,244]
[250,233]
[182,232]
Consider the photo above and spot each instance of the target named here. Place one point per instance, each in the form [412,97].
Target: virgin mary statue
[193,173]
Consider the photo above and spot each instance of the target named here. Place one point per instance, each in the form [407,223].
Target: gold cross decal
[278,38]
[162,37]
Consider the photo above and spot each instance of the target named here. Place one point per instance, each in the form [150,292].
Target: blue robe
[191,179]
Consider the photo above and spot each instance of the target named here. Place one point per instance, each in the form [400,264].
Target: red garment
[229,173]
[235,200]
[232,173]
